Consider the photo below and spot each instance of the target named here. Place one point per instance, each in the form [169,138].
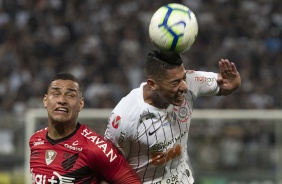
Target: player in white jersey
[151,124]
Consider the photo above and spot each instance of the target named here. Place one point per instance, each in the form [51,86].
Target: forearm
[223,92]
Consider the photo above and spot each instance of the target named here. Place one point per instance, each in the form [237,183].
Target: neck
[153,98]
[60,130]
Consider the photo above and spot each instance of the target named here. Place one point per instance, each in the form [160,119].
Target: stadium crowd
[105,42]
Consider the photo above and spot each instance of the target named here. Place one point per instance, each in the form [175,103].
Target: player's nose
[62,99]
[183,86]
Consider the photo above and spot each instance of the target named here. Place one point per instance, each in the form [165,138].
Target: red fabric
[82,157]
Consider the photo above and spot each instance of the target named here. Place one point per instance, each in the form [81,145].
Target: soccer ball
[173,27]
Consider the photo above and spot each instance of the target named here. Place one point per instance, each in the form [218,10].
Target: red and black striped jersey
[82,157]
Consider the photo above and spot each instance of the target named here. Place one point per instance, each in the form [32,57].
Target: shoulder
[39,134]
[92,139]
[88,135]
[129,106]
[125,116]
[98,147]
[38,138]
[197,74]
[202,83]
[201,77]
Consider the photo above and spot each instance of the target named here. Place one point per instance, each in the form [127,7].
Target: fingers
[226,65]
[227,69]
[224,68]
[234,69]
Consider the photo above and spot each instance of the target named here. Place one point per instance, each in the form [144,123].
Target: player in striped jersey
[151,124]
[69,152]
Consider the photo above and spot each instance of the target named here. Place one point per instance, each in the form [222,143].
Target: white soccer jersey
[153,140]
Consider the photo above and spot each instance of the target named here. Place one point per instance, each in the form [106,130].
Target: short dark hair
[66,76]
[158,62]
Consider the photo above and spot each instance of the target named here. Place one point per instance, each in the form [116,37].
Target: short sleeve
[202,83]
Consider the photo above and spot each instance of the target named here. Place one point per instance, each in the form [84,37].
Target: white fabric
[153,140]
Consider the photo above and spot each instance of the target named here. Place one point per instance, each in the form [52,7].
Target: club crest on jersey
[50,156]
[183,114]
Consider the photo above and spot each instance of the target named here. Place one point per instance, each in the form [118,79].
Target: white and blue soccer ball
[173,27]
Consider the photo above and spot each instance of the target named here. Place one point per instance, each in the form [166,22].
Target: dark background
[105,42]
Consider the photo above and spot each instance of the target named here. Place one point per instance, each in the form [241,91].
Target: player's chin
[60,118]
[178,101]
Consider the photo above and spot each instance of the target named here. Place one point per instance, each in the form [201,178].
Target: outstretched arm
[228,78]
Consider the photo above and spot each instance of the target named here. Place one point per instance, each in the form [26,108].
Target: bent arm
[113,167]
[125,174]
[228,77]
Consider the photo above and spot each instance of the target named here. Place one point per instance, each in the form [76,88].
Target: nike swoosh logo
[151,133]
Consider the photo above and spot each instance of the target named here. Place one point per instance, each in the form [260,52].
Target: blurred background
[105,42]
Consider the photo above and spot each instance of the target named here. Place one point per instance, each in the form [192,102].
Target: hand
[229,78]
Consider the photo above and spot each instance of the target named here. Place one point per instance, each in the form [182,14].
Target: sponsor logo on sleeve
[204,79]
[38,142]
[102,144]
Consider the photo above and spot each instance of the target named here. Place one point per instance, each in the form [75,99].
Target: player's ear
[152,84]
[45,100]
[81,104]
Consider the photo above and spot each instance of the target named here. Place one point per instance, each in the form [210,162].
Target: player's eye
[71,95]
[175,83]
[55,94]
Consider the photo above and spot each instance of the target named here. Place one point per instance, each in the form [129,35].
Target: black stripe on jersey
[180,131]
[165,138]
[82,175]
[147,115]
[69,162]
[142,123]
[138,164]
[160,118]
[173,138]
